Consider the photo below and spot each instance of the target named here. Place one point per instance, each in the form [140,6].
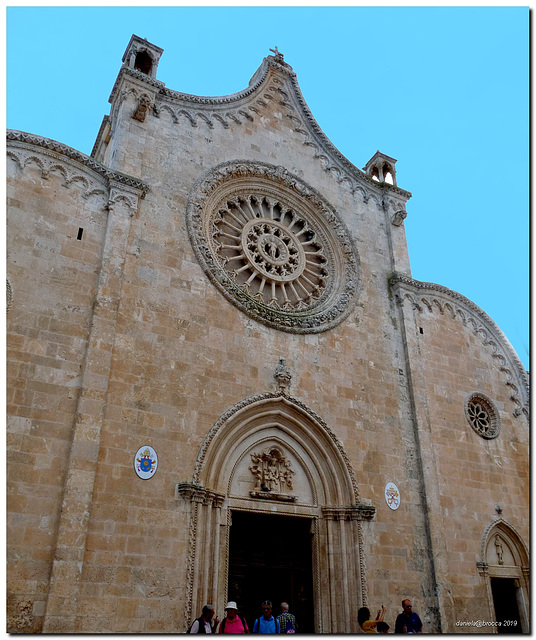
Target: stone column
[60,615]
[204,558]
[346,585]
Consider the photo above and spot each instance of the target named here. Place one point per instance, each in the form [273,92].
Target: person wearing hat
[233,621]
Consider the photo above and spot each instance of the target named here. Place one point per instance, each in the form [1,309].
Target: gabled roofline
[437,296]
[306,125]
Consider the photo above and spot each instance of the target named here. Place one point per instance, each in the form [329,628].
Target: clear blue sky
[444,90]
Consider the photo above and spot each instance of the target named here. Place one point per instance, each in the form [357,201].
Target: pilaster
[425,454]
[74,522]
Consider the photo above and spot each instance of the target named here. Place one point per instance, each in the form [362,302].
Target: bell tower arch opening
[270,470]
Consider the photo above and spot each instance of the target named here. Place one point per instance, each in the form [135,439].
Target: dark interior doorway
[270,558]
[504,592]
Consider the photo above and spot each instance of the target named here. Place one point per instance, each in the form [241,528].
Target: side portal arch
[504,567]
[271,454]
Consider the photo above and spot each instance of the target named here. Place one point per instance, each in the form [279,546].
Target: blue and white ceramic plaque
[392,496]
[145,462]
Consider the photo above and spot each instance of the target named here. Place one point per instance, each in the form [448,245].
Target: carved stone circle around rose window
[273,246]
[482,415]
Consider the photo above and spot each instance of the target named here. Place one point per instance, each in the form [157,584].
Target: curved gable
[437,298]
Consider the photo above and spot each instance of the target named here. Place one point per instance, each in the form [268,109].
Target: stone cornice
[134,73]
[14,137]
[274,80]
[436,297]
[257,80]
[334,161]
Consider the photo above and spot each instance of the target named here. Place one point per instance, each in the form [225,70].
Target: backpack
[256,625]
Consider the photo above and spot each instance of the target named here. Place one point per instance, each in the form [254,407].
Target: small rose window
[482,415]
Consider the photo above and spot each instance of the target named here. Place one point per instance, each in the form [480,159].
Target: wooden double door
[270,558]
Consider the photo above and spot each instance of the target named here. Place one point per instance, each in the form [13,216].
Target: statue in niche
[499,549]
[272,471]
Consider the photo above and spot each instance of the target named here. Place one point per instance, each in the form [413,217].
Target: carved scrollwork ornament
[9,295]
[273,246]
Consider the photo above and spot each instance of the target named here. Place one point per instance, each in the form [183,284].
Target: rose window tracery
[482,416]
[273,246]
[270,251]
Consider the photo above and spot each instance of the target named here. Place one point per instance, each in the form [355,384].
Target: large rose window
[269,250]
[273,246]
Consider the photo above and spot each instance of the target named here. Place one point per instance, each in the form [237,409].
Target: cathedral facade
[224,384]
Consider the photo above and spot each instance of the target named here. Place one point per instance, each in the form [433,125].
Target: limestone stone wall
[52,276]
[472,482]
[184,355]
[121,339]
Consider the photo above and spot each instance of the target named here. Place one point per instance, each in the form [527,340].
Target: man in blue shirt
[266,624]
[407,621]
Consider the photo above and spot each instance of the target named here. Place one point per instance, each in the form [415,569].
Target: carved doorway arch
[280,432]
[505,560]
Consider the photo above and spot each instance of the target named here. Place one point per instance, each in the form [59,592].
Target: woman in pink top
[233,621]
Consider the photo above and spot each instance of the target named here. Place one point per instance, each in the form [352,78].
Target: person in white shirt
[205,624]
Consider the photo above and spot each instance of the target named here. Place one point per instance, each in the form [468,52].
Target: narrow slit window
[80,233]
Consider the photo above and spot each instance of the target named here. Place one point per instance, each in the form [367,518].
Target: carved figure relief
[273,473]
[144,105]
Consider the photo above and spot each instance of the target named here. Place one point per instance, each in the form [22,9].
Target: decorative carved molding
[363,510]
[362,565]
[309,295]
[261,399]
[274,81]
[192,492]
[482,415]
[438,298]
[51,152]
[9,295]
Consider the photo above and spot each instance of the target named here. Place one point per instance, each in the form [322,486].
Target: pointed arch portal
[504,566]
[271,470]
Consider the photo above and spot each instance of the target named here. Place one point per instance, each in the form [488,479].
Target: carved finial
[278,56]
[498,509]
[282,375]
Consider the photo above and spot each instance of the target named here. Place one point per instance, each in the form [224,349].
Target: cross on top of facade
[278,56]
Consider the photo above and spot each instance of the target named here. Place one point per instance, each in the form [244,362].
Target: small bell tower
[142,56]
[381,168]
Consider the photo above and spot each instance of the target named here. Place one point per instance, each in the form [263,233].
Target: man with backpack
[287,621]
[267,623]
[233,621]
